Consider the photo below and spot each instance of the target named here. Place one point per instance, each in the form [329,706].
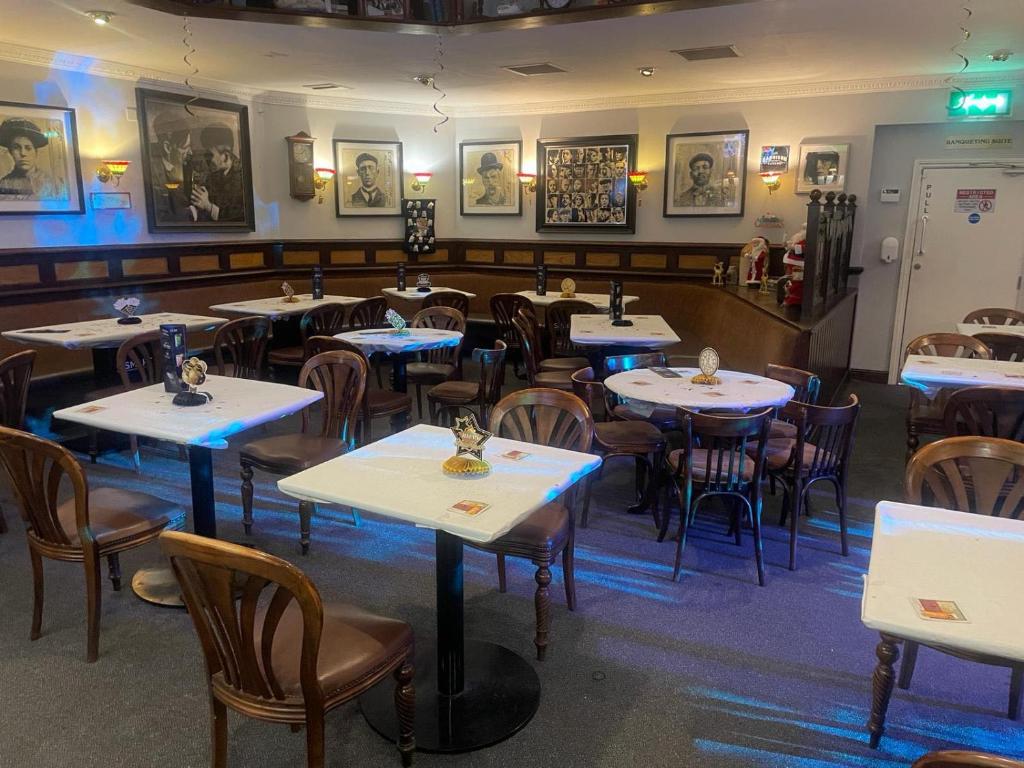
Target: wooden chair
[323,320]
[279,653]
[240,346]
[995,316]
[976,475]
[925,416]
[504,307]
[820,451]
[341,376]
[436,365]
[953,758]
[806,388]
[365,315]
[1004,346]
[639,440]
[15,378]
[81,528]
[450,397]
[663,417]
[986,412]
[377,403]
[453,299]
[529,341]
[558,319]
[555,363]
[714,462]
[560,420]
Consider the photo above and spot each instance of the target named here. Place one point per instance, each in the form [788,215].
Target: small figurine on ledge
[754,260]
[717,278]
[764,283]
[794,261]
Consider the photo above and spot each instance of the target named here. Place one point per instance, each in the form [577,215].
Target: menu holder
[615,305]
[172,345]
[400,276]
[318,283]
[542,280]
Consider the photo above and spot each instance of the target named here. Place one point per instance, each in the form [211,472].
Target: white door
[968,247]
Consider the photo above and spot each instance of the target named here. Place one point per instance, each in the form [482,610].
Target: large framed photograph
[196,163]
[584,183]
[705,173]
[822,166]
[369,178]
[40,171]
[488,171]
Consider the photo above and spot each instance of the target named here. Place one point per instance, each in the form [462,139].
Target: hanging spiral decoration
[191,69]
[438,69]
[965,35]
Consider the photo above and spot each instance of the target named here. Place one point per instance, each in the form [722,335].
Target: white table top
[389,342]
[972,329]
[401,476]
[276,306]
[107,332]
[738,391]
[930,373]
[649,331]
[411,294]
[933,554]
[237,405]
[599,300]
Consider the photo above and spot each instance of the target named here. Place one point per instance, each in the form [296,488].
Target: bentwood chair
[450,397]
[365,315]
[323,320]
[959,759]
[924,415]
[377,403]
[639,440]
[986,412]
[557,363]
[15,378]
[665,418]
[558,319]
[529,341]
[714,461]
[806,388]
[820,451]
[83,527]
[560,420]
[240,347]
[1004,346]
[976,475]
[995,316]
[341,376]
[453,299]
[279,653]
[504,307]
[436,365]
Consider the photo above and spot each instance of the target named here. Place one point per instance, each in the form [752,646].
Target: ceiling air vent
[529,70]
[706,54]
[325,86]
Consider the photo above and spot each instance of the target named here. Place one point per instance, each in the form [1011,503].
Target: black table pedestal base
[500,695]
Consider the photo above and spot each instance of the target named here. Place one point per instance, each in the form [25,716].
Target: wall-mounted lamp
[771,180]
[422,179]
[639,181]
[322,178]
[528,182]
[112,170]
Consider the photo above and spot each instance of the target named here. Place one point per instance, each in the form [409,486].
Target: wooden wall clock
[300,166]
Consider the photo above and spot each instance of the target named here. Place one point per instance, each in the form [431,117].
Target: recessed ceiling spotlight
[424,80]
[1001,55]
[647,71]
[100,18]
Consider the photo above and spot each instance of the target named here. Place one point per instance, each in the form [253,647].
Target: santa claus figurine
[754,260]
[794,262]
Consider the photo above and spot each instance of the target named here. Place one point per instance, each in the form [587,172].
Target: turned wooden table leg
[883,680]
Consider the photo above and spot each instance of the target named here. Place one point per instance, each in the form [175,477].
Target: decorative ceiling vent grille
[325,86]
[529,70]
[707,54]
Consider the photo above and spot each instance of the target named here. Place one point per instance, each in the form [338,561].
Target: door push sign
[975,201]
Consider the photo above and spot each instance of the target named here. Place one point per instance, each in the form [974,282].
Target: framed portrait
[369,180]
[488,171]
[705,173]
[822,166]
[393,9]
[40,171]
[196,163]
[583,183]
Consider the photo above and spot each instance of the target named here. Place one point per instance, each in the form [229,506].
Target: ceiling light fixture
[1001,55]
[425,80]
[647,71]
[100,18]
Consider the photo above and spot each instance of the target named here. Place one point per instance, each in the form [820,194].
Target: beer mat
[938,610]
[640,383]
[92,409]
[665,373]
[515,455]
[468,507]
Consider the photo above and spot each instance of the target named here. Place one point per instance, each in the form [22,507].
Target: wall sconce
[112,170]
[771,180]
[321,180]
[639,181]
[528,182]
[422,179]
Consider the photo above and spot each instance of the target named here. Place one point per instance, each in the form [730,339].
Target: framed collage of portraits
[369,178]
[705,173]
[488,171]
[40,171]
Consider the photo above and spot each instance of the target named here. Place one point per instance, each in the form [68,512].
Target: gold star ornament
[469,448]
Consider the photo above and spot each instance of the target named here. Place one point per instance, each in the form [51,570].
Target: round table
[400,346]
[738,391]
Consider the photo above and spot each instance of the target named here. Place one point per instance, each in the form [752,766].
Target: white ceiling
[783,43]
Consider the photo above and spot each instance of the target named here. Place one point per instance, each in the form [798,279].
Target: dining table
[600,301]
[470,693]
[932,373]
[644,389]
[973,329]
[277,307]
[235,405]
[400,345]
[636,332]
[416,295]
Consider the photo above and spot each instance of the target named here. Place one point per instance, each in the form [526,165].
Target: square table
[471,694]
[646,331]
[237,405]
[972,329]
[411,294]
[275,306]
[931,373]
[934,554]
[599,300]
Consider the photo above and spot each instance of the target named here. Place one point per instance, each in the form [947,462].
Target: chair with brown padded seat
[15,378]
[1008,347]
[436,365]
[83,527]
[240,347]
[806,388]
[714,462]
[925,416]
[560,420]
[995,316]
[323,320]
[558,320]
[450,397]
[640,440]
[279,653]
[975,475]
[954,758]
[341,376]
[821,450]
[986,412]
[377,403]
[546,364]
[504,307]
[368,314]
[664,417]
[453,299]
[529,341]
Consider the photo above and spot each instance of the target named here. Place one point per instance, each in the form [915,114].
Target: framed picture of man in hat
[489,184]
[369,179]
[705,173]
[40,171]
[195,163]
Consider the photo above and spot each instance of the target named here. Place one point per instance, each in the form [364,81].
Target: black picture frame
[474,150]
[728,150]
[168,207]
[345,152]
[576,162]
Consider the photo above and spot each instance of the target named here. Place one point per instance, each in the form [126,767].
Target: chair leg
[798,497]
[94,445]
[315,740]
[840,484]
[37,594]
[585,514]
[114,568]
[666,513]
[3,522]
[907,667]
[247,499]
[405,708]
[357,519]
[755,523]
[218,733]
[182,453]
[502,582]
[305,519]
[912,440]
[1016,688]
[684,517]
[569,572]
[542,604]
[133,445]
[881,683]
[93,603]
[419,400]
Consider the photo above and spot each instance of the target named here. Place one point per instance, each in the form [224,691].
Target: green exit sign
[980,103]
